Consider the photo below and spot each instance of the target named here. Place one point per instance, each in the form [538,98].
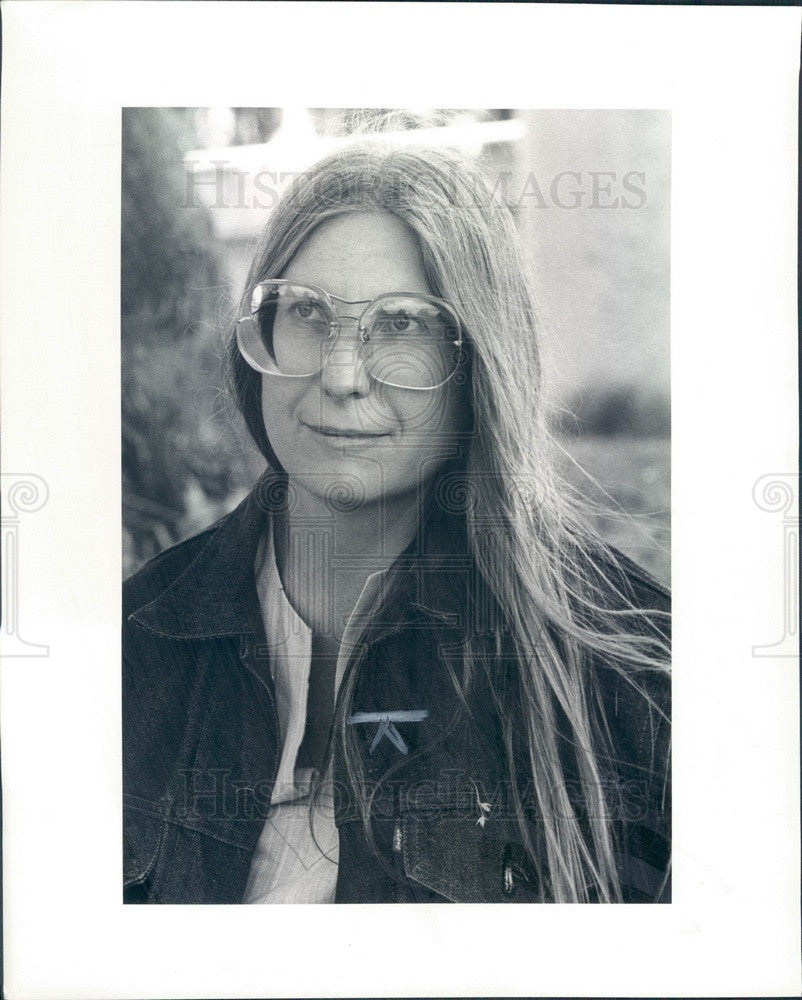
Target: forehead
[359,256]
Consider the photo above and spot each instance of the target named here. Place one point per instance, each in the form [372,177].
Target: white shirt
[288,866]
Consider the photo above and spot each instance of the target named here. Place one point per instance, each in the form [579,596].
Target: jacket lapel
[216,594]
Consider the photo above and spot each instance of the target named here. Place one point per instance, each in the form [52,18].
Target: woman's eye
[400,323]
[305,310]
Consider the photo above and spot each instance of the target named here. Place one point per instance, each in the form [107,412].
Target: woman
[404,669]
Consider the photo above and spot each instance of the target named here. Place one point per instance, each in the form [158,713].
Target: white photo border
[729,76]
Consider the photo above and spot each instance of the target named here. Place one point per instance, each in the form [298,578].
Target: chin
[347,481]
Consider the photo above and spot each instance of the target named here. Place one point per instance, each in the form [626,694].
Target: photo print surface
[396,505]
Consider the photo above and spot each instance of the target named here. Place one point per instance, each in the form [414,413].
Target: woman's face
[341,425]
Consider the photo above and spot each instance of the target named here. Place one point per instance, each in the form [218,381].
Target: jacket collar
[216,595]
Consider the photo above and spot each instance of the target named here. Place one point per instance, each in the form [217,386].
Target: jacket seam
[230,842]
[141,876]
[147,806]
[166,819]
[132,619]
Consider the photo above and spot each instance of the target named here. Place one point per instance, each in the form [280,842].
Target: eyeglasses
[406,340]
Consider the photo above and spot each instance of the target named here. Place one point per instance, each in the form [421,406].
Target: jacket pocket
[464,861]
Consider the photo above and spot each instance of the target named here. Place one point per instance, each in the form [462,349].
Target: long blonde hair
[528,534]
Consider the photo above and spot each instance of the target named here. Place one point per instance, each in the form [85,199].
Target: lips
[346,433]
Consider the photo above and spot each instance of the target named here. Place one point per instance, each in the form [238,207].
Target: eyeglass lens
[408,340]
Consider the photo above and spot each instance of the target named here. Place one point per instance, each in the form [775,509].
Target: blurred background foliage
[179,465]
[187,240]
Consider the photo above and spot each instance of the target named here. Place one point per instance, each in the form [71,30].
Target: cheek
[434,427]
[279,398]
[437,413]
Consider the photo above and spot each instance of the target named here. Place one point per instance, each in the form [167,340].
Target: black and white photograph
[399,500]
[412,664]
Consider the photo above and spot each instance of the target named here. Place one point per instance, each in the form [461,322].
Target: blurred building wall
[593,207]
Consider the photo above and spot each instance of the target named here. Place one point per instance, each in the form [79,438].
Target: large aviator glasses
[406,340]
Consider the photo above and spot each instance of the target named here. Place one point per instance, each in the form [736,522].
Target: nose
[344,373]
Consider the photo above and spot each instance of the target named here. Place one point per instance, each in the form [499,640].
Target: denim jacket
[201,740]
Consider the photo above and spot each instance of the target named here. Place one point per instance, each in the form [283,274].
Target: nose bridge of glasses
[345,359]
[348,325]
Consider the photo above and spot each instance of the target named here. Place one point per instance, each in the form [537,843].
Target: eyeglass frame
[334,326]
